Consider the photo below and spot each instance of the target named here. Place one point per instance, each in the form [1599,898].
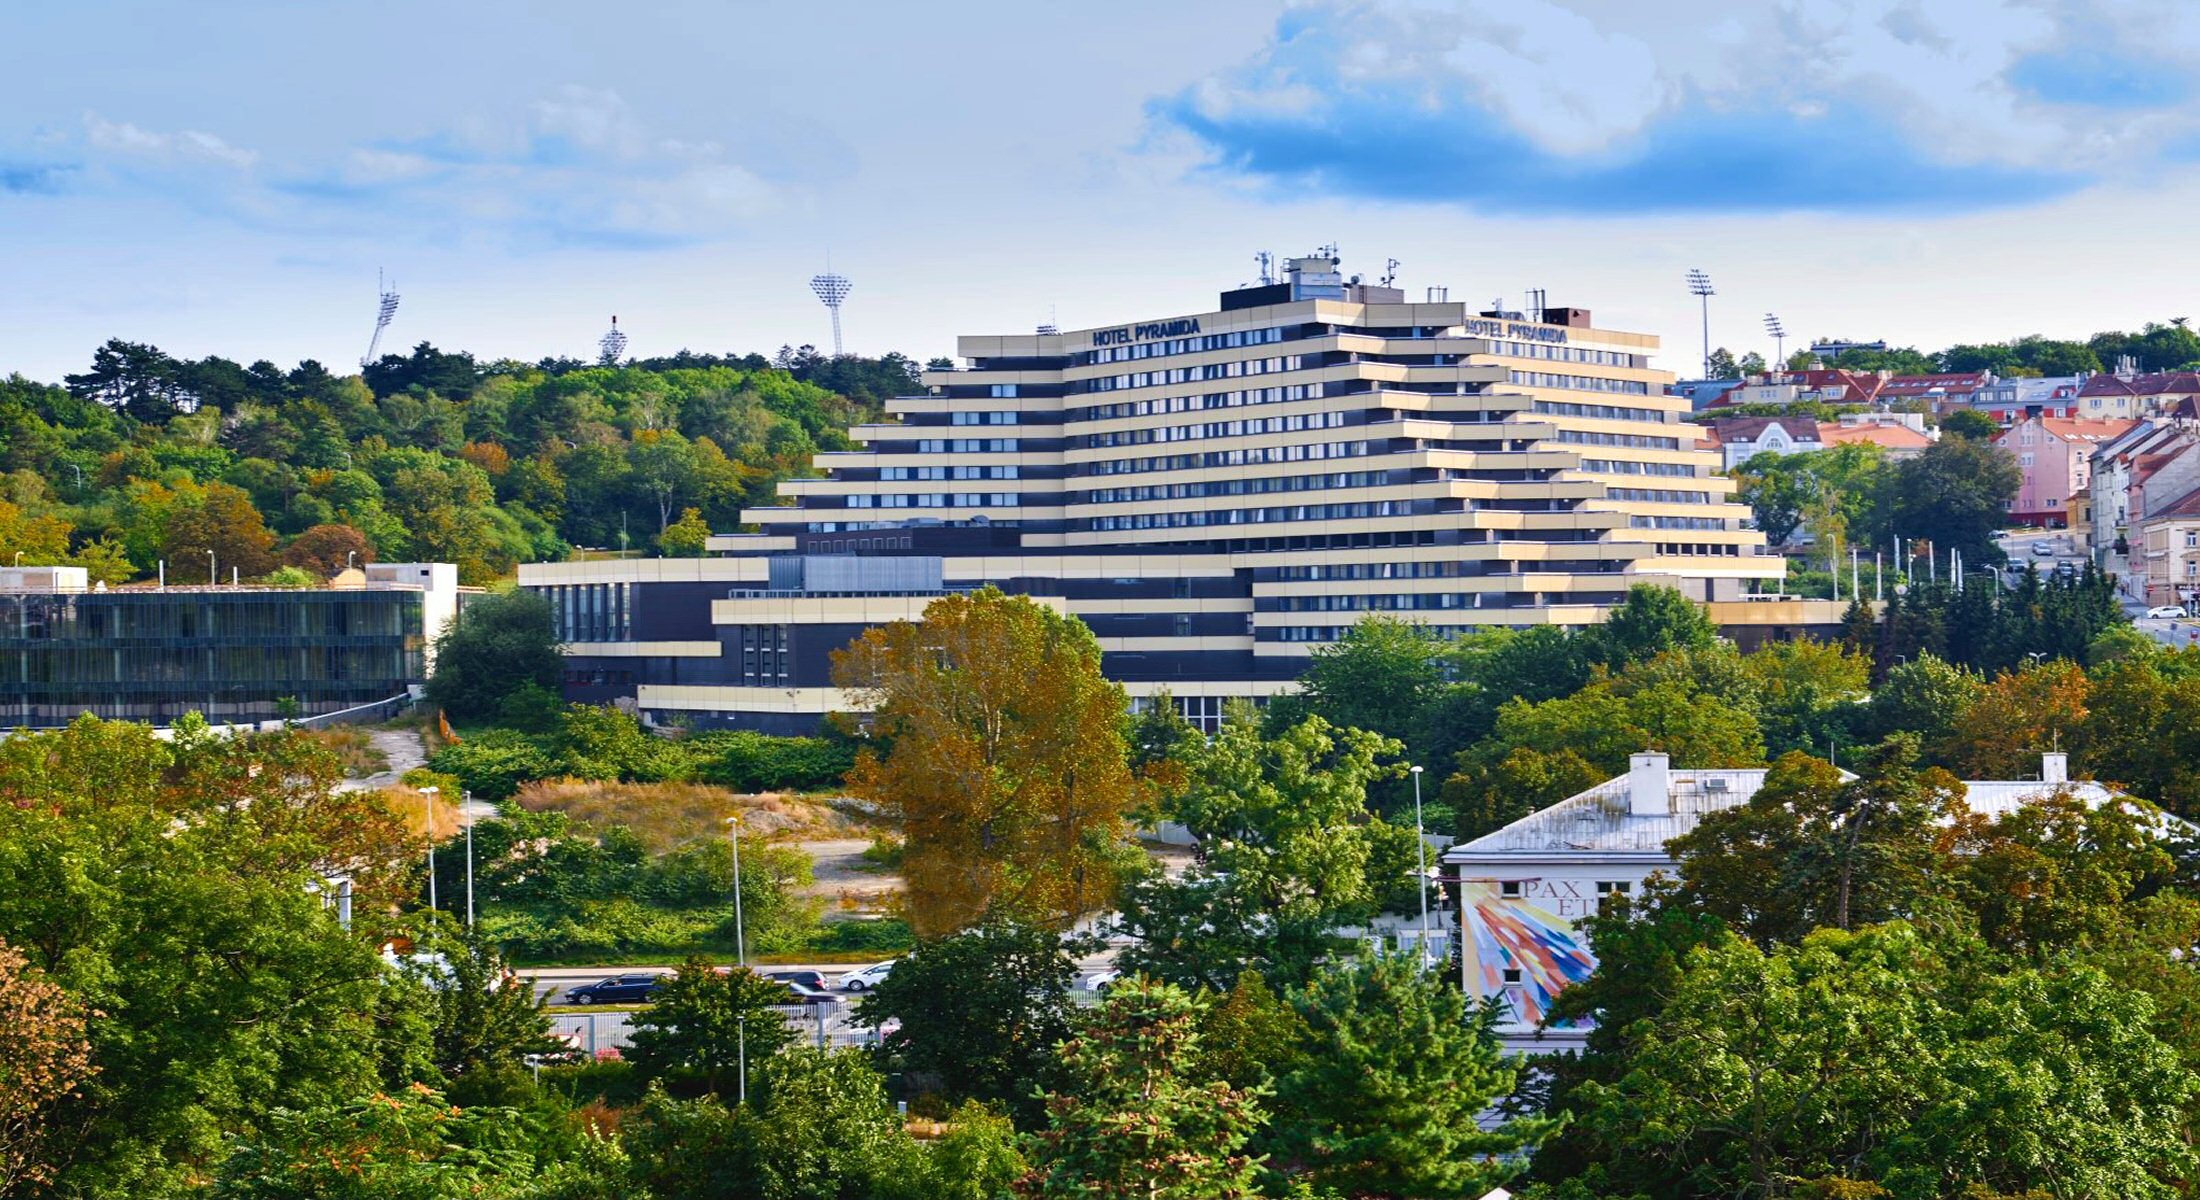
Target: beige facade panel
[1178,645]
[1164,605]
[797,608]
[645,570]
[708,698]
[645,649]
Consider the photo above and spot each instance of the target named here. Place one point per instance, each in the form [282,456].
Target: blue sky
[227,176]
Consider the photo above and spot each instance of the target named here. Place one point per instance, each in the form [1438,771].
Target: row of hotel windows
[1580,383]
[1170,404]
[1584,437]
[1314,451]
[1401,570]
[1007,472]
[1214,429]
[1256,516]
[939,500]
[1238,487]
[1336,633]
[1231,370]
[990,417]
[1212,341]
[1698,550]
[1621,466]
[1657,496]
[1677,523]
[966,445]
[1416,601]
[1611,412]
[1579,354]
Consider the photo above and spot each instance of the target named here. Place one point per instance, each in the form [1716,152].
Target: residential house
[1935,393]
[2008,400]
[2055,454]
[2166,551]
[1820,386]
[1526,889]
[2123,393]
[2120,465]
[1743,438]
[1901,434]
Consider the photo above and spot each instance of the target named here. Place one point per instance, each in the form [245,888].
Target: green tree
[1722,365]
[1135,1119]
[1394,1076]
[1969,424]
[499,643]
[978,1014]
[1955,495]
[703,1021]
[410,1144]
[48,1061]
[1777,491]
[1650,621]
[1004,759]
[486,1018]
[1861,1056]
[1289,851]
[1379,677]
[687,537]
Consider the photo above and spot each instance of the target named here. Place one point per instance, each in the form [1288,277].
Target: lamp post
[213,575]
[464,799]
[427,813]
[350,556]
[1420,853]
[741,955]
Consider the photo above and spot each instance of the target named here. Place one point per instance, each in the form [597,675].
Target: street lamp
[212,579]
[427,812]
[465,799]
[741,955]
[1420,853]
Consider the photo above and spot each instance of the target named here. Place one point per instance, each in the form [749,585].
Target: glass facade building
[233,655]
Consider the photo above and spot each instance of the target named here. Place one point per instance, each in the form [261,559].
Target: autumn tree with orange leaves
[47,1059]
[999,747]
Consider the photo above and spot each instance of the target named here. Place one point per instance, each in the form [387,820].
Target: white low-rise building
[1526,889]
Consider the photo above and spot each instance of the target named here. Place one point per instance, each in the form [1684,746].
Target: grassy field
[667,815]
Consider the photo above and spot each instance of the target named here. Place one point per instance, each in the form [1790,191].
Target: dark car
[802,993]
[619,989]
[814,980]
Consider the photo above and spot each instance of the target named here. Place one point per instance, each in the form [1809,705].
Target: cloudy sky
[227,176]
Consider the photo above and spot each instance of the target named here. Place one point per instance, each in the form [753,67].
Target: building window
[2192,538]
[1509,889]
[1511,976]
[1606,887]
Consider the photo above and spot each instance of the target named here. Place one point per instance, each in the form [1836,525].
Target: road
[2179,632]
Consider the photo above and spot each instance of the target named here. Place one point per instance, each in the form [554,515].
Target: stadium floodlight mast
[1779,341]
[611,347]
[1699,286]
[832,289]
[384,312]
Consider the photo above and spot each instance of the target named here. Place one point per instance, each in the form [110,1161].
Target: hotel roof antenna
[383,313]
[611,347]
[1390,271]
[832,289]
[1267,261]
[1699,286]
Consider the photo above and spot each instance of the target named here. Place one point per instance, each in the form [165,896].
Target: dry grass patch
[668,815]
[353,747]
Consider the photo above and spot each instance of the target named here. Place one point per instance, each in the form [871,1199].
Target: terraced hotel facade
[1215,494]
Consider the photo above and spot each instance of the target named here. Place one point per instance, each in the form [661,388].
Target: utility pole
[1420,853]
[741,955]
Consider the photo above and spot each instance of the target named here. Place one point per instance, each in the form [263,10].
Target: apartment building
[1216,493]
[2056,456]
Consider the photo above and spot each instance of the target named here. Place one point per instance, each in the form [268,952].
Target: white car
[2170,611]
[866,978]
[2043,549]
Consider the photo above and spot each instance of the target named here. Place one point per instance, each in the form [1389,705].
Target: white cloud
[190,145]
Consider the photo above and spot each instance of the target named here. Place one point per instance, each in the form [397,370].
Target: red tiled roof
[1893,437]
[1918,385]
[2160,383]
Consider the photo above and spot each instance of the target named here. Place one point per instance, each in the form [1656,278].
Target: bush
[493,765]
[758,762]
[888,936]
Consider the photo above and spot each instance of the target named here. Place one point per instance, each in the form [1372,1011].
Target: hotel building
[1215,494]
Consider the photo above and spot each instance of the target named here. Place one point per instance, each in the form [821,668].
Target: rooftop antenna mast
[1390,271]
[611,347]
[1779,341]
[1699,286]
[1267,263]
[832,289]
[383,314]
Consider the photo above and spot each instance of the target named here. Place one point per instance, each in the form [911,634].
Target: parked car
[813,980]
[1101,981]
[802,993]
[619,989]
[2044,549]
[2066,570]
[866,978]
[2161,611]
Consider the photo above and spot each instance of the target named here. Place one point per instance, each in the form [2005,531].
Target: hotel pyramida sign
[1125,334]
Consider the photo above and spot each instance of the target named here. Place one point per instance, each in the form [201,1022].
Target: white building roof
[1613,819]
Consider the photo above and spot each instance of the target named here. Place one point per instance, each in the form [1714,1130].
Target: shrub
[493,765]
[756,762]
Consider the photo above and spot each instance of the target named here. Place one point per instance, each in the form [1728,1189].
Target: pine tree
[1136,1121]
